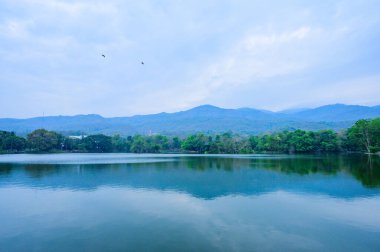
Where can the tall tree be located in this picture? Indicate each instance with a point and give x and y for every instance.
(197, 143)
(327, 141)
(9, 142)
(360, 133)
(43, 140)
(98, 143)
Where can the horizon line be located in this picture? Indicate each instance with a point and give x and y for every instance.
(203, 105)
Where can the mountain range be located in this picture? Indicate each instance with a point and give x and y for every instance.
(205, 118)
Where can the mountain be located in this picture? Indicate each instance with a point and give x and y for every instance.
(205, 118)
(339, 112)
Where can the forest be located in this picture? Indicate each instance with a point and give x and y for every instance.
(363, 136)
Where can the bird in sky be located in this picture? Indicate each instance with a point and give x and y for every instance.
(142, 62)
(103, 55)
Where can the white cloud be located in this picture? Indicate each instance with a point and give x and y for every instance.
(253, 42)
(197, 52)
(256, 56)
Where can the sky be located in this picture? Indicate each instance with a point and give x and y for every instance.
(270, 55)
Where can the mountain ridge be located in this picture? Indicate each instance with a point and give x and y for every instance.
(205, 118)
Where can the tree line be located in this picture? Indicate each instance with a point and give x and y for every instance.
(363, 136)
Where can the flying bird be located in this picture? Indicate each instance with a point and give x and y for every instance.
(103, 55)
(142, 62)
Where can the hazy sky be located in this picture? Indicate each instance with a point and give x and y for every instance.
(261, 54)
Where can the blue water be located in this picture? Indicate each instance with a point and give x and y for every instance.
(127, 202)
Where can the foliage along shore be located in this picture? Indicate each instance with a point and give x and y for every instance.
(364, 136)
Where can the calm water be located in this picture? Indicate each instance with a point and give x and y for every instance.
(124, 202)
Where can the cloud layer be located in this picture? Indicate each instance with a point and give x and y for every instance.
(272, 55)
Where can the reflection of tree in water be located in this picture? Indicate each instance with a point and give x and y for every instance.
(218, 163)
(160, 166)
(5, 170)
(366, 169)
(302, 165)
(41, 170)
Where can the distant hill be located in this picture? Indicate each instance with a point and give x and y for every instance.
(206, 118)
(338, 113)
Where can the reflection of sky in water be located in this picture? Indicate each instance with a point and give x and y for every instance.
(123, 158)
(196, 203)
(203, 176)
(83, 158)
(117, 218)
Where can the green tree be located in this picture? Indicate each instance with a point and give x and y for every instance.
(73, 144)
(98, 143)
(327, 141)
(43, 140)
(302, 141)
(197, 143)
(9, 142)
(138, 144)
(270, 142)
(253, 142)
(120, 144)
(365, 134)
(175, 144)
(157, 143)
(374, 129)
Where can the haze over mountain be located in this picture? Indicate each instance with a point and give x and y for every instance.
(206, 118)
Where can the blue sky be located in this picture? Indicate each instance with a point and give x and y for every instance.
(262, 54)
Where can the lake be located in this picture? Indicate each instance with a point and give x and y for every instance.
(128, 202)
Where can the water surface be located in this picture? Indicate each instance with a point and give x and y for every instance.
(127, 202)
